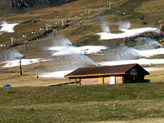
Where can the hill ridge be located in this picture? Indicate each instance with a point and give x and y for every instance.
(8, 7)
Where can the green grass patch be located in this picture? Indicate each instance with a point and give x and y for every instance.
(77, 94)
(82, 103)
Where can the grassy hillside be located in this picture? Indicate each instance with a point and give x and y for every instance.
(71, 104)
(129, 102)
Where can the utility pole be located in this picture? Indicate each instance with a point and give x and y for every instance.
(12, 40)
(109, 5)
(20, 67)
(85, 54)
(62, 21)
(26, 41)
(89, 13)
(46, 26)
(54, 32)
(120, 2)
(80, 23)
(98, 19)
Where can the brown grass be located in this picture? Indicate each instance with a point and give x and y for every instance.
(151, 7)
(156, 76)
(147, 120)
(75, 33)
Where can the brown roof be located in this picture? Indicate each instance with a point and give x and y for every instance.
(103, 70)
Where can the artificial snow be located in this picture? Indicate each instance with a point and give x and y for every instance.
(138, 61)
(150, 69)
(126, 33)
(8, 27)
(16, 63)
(67, 50)
(151, 52)
(56, 74)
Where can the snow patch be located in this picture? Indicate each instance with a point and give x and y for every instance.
(67, 50)
(56, 74)
(152, 52)
(126, 33)
(16, 63)
(8, 27)
(138, 61)
(153, 69)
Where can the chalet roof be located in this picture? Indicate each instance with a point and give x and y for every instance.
(104, 70)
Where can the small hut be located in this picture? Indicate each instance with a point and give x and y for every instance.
(118, 74)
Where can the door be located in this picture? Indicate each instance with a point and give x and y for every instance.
(112, 80)
(101, 80)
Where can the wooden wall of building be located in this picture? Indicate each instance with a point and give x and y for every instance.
(103, 80)
(119, 79)
(90, 81)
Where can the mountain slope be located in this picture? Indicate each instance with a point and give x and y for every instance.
(8, 7)
(78, 21)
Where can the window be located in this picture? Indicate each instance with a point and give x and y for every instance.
(133, 72)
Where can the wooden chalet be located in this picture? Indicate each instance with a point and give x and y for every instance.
(108, 74)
